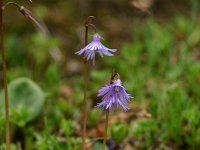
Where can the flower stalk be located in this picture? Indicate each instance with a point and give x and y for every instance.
(106, 130)
(88, 22)
(85, 78)
(113, 76)
(113, 95)
(4, 79)
(88, 52)
(27, 14)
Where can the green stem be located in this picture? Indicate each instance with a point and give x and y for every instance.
(106, 129)
(4, 79)
(85, 74)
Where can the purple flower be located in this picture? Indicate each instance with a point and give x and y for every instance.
(95, 46)
(114, 95)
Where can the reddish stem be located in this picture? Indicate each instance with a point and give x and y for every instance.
(106, 130)
(4, 78)
(85, 76)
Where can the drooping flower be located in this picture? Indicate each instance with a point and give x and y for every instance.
(113, 95)
(95, 46)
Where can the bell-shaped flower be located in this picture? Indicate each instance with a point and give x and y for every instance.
(95, 46)
(114, 95)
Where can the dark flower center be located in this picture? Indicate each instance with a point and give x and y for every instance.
(117, 89)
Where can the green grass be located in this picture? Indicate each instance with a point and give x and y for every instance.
(163, 71)
(159, 67)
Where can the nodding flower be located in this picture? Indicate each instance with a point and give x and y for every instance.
(95, 46)
(114, 95)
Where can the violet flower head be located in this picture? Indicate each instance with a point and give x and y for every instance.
(95, 46)
(114, 95)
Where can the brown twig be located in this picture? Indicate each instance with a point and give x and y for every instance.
(4, 79)
(27, 14)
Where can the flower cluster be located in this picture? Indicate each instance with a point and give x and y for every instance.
(95, 46)
(114, 95)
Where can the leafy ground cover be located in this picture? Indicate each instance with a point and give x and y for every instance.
(160, 67)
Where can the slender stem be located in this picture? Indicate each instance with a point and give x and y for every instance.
(11, 3)
(5, 79)
(27, 13)
(85, 74)
(106, 129)
(86, 33)
(88, 23)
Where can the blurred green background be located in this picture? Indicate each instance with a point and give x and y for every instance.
(158, 59)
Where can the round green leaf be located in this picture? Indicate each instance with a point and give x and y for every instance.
(25, 100)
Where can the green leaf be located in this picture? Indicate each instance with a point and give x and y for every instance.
(12, 147)
(119, 132)
(26, 100)
(98, 146)
(94, 117)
